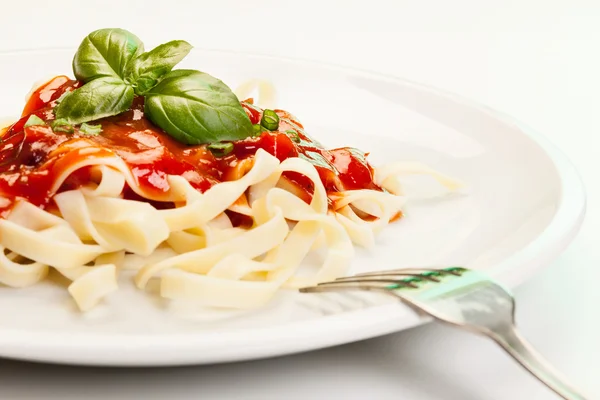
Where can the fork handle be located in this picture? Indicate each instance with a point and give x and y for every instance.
(516, 345)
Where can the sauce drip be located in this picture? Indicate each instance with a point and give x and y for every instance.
(31, 158)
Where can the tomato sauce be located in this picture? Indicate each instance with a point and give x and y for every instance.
(31, 158)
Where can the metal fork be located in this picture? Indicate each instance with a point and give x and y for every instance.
(463, 298)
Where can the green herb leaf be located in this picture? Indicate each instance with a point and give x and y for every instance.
(312, 140)
(257, 130)
(145, 71)
(90, 129)
(106, 52)
(221, 149)
(293, 135)
(100, 98)
(197, 108)
(34, 120)
(270, 120)
(62, 125)
(62, 96)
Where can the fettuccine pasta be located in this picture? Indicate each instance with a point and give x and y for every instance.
(222, 230)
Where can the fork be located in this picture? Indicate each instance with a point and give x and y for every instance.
(463, 298)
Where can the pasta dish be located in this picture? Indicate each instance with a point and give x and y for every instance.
(136, 166)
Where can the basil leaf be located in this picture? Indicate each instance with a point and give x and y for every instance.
(293, 135)
(102, 97)
(62, 96)
(220, 149)
(33, 120)
(106, 52)
(196, 108)
(257, 130)
(145, 71)
(311, 141)
(89, 129)
(62, 125)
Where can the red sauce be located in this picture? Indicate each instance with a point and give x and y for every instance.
(44, 94)
(32, 158)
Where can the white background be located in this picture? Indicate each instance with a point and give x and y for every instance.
(537, 60)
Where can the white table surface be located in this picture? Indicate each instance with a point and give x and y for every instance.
(537, 60)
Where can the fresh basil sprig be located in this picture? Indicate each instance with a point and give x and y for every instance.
(196, 108)
(106, 52)
(145, 71)
(191, 106)
(100, 98)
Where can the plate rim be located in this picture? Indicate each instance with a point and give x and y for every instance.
(155, 350)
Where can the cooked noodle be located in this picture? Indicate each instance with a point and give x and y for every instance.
(194, 249)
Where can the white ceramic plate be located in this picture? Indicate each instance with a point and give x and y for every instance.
(524, 205)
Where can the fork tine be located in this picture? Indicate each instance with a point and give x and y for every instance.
(328, 287)
(386, 273)
(361, 281)
(381, 280)
(412, 271)
(396, 271)
(320, 289)
(336, 286)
